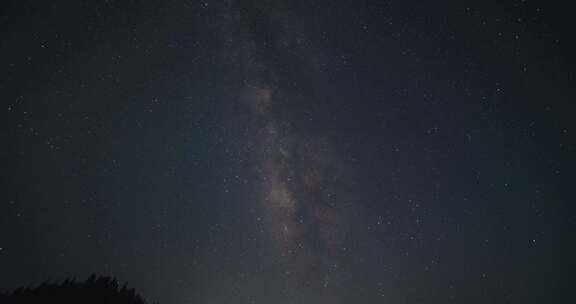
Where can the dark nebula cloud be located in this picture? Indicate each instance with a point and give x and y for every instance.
(298, 173)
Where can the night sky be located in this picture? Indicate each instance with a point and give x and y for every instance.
(291, 152)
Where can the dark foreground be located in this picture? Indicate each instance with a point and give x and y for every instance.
(96, 289)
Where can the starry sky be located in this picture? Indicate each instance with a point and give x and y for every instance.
(287, 151)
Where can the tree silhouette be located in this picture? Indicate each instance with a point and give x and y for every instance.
(95, 290)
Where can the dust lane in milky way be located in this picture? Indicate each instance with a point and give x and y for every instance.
(298, 173)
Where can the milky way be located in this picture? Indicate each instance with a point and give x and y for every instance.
(298, 172)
